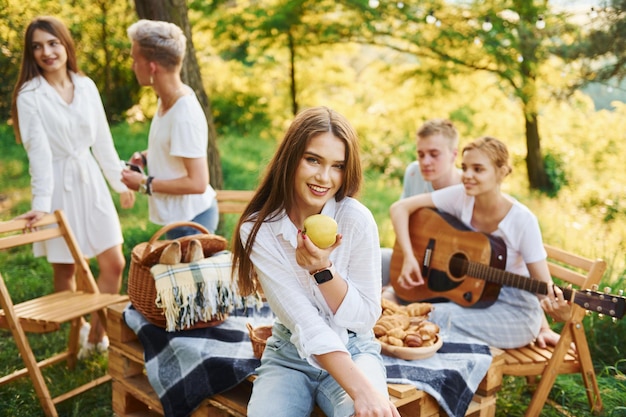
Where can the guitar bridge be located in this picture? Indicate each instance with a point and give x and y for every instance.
(427, 257)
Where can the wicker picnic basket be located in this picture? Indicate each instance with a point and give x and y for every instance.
(258, 337)
(141, 288)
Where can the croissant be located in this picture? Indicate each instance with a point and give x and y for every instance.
(428, 327)
(388, 304)
(402, 310)
(419, 309)
(405, 320)
(428, 342)
(397, 332)
(396, 320)
(383, 325)
(379, 330)
(394, 341)
(412, 329)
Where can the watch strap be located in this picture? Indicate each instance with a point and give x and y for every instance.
(149, 185)
(324, 275)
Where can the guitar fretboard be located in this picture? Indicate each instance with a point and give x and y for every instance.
(497, 276)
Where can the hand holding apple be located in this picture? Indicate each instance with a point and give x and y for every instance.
(321, 229)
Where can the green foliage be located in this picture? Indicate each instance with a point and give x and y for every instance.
(99, 32)
(239, 112)
(247, 158)
(556, 173)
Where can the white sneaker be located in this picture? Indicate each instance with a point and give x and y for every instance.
(89, 349)
(86, 350)
(103, 345)
(83, 334)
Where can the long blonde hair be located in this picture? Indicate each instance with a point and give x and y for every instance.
(276, 192)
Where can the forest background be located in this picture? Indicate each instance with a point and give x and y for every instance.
(388, 69)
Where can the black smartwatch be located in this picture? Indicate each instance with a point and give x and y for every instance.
(324, 275)
(149, 185)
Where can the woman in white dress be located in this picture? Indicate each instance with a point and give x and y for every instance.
(59, 117)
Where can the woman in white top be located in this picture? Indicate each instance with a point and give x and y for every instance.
(59, 117)
(322, 349)
(516, 317)
(176, 158)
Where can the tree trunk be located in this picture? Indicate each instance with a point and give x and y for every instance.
(292, 73)
(104, 22)
(175, 11)
(537, 176)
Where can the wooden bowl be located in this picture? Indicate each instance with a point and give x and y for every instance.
(411, 353)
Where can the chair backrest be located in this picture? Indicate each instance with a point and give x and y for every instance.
(13, 233)
(233, 201)
(583, 274)
(577, 270)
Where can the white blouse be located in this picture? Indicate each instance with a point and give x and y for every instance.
(293, 294)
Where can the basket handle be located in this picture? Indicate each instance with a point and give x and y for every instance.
(156, 236)
(251, 331)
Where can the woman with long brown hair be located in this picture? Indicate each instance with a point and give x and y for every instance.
(322, 349)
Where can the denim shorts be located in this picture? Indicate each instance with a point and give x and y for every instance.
(288, 386)
(208, 218)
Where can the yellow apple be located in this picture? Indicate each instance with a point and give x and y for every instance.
(321, 229)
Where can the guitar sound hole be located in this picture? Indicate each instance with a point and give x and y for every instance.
(458, 265)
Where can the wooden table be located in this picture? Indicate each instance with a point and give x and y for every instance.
(133, 395)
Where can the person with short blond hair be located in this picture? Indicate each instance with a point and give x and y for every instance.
(177, 178)
(436, 145)
(435, 168)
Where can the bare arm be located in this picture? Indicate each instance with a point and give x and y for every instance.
(553, 304)
(313, 258)
(195, 182)
(400, 211)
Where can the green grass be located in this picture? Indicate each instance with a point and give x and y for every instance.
(243, 161)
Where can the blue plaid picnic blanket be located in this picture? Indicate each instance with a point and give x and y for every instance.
(186, 367)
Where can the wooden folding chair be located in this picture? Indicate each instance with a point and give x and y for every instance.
(47, 314)
(546, 364)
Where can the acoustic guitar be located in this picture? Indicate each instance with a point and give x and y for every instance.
(467, 267)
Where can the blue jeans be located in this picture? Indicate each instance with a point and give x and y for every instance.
(208, 218)
(288, 386)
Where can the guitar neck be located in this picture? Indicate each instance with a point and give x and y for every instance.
(509, 279)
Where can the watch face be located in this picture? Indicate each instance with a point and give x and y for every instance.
(323, 276)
